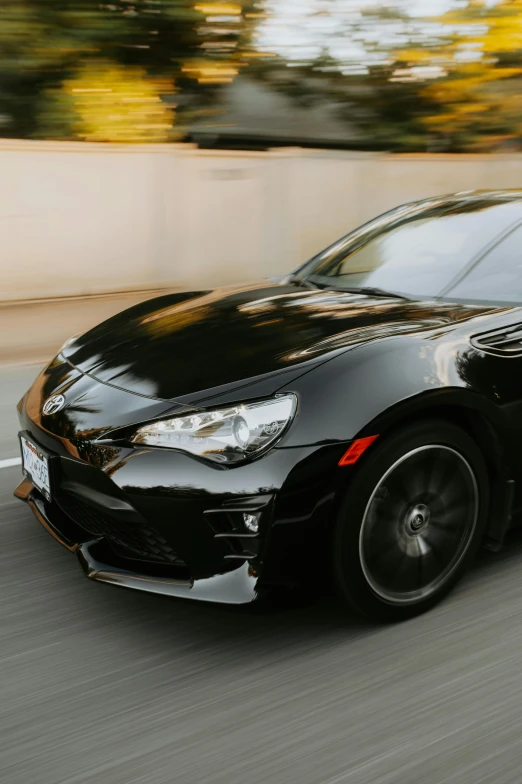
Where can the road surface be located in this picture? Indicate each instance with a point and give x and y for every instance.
(100, 684)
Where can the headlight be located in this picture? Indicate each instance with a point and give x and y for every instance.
(225, 435)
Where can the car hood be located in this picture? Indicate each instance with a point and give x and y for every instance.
(184, 347)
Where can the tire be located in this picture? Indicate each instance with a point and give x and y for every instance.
(410, 521)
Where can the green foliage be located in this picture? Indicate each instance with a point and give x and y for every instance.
(46, 43)
(420, 84)
(476, 100)
(399, 82)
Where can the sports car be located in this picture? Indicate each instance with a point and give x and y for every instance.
(356, 423)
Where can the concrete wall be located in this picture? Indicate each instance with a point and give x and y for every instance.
(85, 218)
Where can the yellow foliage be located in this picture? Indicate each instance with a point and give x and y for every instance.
(218, 9)
(497, 30)
(119, 104)
(207, 72)
(472, 93)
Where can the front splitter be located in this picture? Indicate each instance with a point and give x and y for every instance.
(238, 586)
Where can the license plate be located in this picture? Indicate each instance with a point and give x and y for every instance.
(35, 464)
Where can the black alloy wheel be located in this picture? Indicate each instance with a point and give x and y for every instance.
(411, 521)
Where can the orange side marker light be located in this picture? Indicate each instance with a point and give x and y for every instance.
(355, 450)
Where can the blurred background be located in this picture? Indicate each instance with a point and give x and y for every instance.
(151, 144)
(148, 145)
(413, 76)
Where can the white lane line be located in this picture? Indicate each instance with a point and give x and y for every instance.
(11, 461)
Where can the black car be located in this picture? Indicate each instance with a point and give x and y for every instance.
(357, 423)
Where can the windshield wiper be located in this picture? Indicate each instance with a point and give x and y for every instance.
(373, 291)
(304, 283)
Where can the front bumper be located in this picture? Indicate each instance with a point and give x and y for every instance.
(166, 523)
(99, 562)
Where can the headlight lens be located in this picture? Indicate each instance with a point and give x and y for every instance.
(225, 435)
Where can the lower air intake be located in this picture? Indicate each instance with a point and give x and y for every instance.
(129, 539)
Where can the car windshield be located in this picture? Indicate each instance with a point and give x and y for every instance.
(418, 252)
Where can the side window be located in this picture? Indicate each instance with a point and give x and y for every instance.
(498, 276)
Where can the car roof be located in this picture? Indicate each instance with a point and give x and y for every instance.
(469, 198)
(511, 194)
(509, 202)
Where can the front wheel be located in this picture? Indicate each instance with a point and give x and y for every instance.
(411, 521)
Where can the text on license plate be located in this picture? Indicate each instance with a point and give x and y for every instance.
(36, 464)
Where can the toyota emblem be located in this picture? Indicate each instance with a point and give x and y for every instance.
(53, 404)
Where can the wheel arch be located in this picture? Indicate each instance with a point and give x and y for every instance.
(483, 422)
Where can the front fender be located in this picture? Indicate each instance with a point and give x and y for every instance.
(370, 388)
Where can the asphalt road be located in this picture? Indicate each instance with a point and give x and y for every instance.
(101, 684)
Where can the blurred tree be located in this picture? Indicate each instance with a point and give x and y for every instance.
(46, 44)
(411, 83)
(473, 98)
(108, 103)
(401, 81)
(355, 67)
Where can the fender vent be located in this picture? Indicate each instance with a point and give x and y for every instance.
(505, 342)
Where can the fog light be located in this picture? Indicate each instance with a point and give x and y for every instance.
(251, 522)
